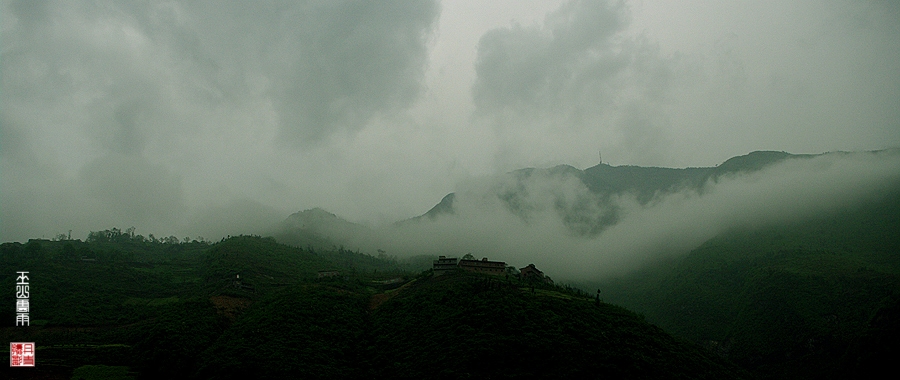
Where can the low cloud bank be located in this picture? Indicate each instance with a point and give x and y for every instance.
(534, 231)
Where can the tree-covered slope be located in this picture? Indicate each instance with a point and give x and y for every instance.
(453, 326)
(785, 300)
(154, 307)
(463, 326)
(182, 311)
(305, 331)
(603, 182)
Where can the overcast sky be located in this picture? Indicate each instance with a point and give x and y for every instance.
(203, 118)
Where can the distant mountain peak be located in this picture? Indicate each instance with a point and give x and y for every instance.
(314, 212)
(313, 217)
(445, 206)
(755, 161)
(319, 228)
(604, 180)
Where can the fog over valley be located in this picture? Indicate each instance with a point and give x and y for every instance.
(202, 119)
(208, 189)
(552, 218)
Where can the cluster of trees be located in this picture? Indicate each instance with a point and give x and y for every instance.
(160, 310)
(798, 298)
(116, 235)
(111, 245)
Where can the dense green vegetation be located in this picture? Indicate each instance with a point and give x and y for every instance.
(810, 298)
(151, 305)
(304, 331)
(135, 308)
(464, 326)
(792, 300)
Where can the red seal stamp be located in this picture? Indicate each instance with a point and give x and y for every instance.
(21, 354)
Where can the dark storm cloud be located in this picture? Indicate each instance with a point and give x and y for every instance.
(141, 103)
(733, 77)
(328, 65)
(356, 59)
(540, 68)
(579, 74)
(375, 110)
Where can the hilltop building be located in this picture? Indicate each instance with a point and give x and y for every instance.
(483, 266)
(443, 265)
(531, 273)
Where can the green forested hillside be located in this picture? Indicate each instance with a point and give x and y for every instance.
(462, 326)
(784, 300)
(813, 297)
(305, 331)
(452, 326)
(181, 310)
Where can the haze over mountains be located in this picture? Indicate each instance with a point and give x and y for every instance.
(785, 264)
(780, 265)
(607, 220)
(384, 134)
(196, 119)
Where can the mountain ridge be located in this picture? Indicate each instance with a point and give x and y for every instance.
(646, 181)
(318, 227)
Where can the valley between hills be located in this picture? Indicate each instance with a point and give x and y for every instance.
(814, 295)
